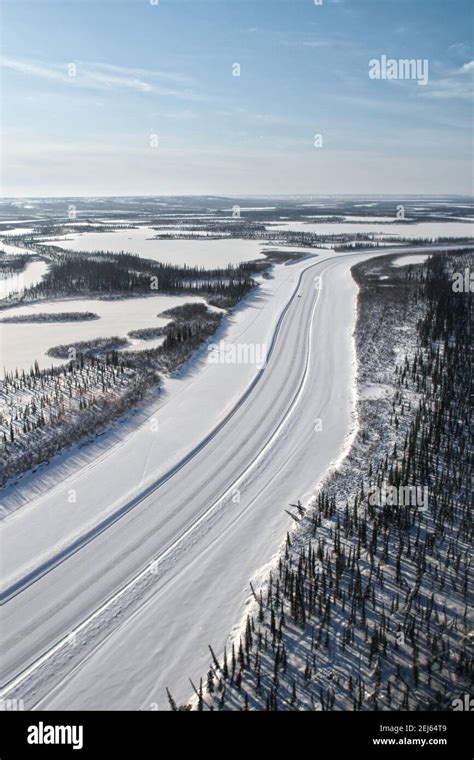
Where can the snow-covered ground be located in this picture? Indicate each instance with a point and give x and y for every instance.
(13, 249)
(404, 261)
(25, 342)
(16, 231)
(17, 282)
(119, 546)
(142, 241)
(428, 230)
(191, 405)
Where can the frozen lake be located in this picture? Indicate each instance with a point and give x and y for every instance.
(17, 231)
(202, 253)
(13, 249)
(22, 343)
(31, 275)
(423, 229)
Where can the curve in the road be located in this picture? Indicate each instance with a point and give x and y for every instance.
(187, 529)
(27, 580)
(14, 683)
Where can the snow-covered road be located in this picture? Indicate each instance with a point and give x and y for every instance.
(106, 617)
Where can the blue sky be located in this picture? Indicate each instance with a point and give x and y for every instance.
(86, 84)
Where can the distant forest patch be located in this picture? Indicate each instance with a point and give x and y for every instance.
(129, 274)
(62, 316)
(147, 333)
(87, 347)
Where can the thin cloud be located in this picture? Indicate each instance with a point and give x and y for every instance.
(462, 49)
(456, 85)
(103, 77)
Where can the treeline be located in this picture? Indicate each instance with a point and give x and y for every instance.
(43, 411)
(59, 316)
(89, 348)
(125, 273)
(192, 325)
(368, 606)
(12, 264)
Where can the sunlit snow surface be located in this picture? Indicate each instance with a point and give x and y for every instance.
(126, 661)
(142, 241)
(427, 230)
(17, 282)
(403, 261)
(22, 343)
